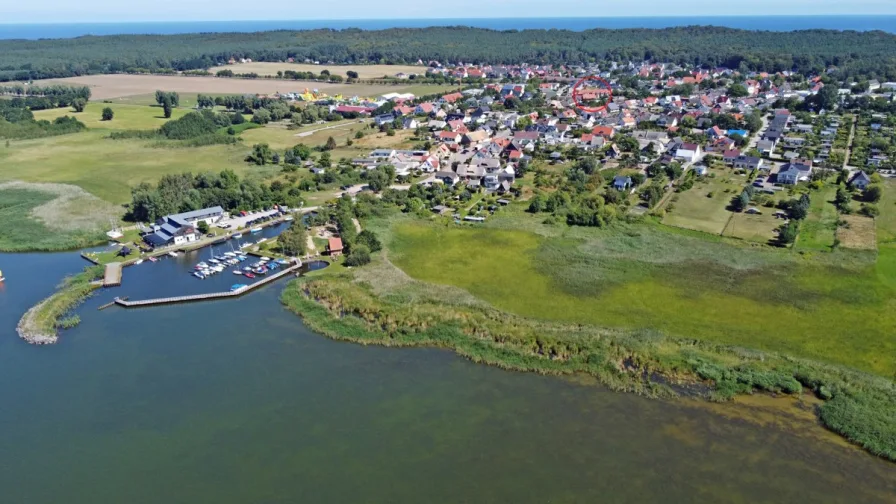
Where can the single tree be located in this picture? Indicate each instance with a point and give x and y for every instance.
(108, 114)
(331, 143)
(78, 104)
(202, 227)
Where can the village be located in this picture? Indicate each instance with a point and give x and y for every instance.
(717, 129)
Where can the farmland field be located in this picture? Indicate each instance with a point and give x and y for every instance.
(364, 71)
(651, 279)
(110, 87)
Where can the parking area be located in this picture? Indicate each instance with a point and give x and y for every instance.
(238, 221)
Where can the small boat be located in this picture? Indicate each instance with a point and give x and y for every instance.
(255, 230)
(289, 218)
(265, 259)
(153, 259)
(202, 265)
(247, 268)
(284, 262)
(214, 261)
(238, 236)
(237, 272)
(172, 253)
(198, 275)
(2, 278)
(250, 275)
(236, 287)
(138, 262)
(262, 240)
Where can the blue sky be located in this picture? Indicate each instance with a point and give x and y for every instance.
(44, 11)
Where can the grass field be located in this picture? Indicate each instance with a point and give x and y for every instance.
(127, 117)
(364, 71)
(108, 168)
(817, 232)
(695, 210)
(51, 217)
(859, 233)
(758, 228)
(111, 87)
(647, 278)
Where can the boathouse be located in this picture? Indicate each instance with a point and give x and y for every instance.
(180, 228)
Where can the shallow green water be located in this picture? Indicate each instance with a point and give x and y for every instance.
(235, 402)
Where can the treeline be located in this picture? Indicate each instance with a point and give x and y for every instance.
(46, 97)
(869, 54)
(17, 122)
(186, 192)
(194, 129)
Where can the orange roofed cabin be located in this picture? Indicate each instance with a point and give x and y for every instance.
(334, 246)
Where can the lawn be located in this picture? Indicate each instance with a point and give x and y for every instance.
(817, 232)
(858, 232)
(110, 168)
(886, 235)
(649, 279)
(758, 228)
(127, 117)
(694, 209)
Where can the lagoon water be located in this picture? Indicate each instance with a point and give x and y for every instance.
(235, 401)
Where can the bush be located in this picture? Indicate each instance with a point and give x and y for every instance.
(869, 210)
(359, 256)
(108, 114)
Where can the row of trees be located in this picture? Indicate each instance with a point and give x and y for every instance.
(185, 192)
(17, 122)
(865, 54)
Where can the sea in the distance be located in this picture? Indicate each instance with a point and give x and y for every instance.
(885, 23)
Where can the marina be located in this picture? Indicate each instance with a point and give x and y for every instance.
(239, 291)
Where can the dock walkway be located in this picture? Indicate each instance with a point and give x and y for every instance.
(112, 275)
(209, 296)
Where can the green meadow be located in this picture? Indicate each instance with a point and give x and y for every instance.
(834, 308)
(126, 117)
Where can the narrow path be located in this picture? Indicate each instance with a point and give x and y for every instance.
(852, 134)
(357, 225)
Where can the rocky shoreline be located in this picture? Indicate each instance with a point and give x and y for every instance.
(28, 330)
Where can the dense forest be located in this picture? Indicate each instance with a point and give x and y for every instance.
(866, 53)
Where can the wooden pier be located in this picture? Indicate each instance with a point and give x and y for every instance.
(112, 276)
(212, 295)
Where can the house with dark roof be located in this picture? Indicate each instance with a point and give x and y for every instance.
(180, 228)
(795, 171)
(860, 180)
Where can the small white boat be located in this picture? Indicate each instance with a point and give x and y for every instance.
(255, 230)
(237, 272)
(214, 261)
(289, 218)
(238, 236)
(262, 240)
(266, 259)
(2, 278)
(172, 253)
(138, 262)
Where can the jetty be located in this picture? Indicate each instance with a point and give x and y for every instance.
(209, 296)
(112, 276)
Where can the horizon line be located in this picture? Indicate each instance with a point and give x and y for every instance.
(398, 19)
